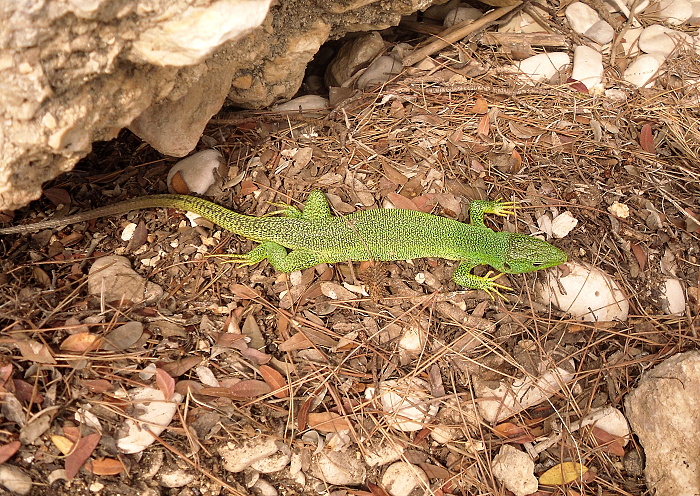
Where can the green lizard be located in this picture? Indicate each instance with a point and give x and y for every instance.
(299, 239)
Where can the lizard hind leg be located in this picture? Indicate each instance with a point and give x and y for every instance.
(278, 257)
(315, 208)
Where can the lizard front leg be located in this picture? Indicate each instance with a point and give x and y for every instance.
(464, 277)
(477, 209)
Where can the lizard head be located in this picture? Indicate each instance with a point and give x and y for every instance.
(527, 254)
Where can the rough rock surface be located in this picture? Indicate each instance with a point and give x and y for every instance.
(74, 72)
(664, 412)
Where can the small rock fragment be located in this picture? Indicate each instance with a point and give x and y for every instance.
(563, 224)
(152, 414)
(405, 479)
(113, 279)
(406, 403)
(544, 66)
(15, 480)
(380, 71)
(306, 102)
(586, 293)
(640, 72)
(196, 173)
(515, 470)
(619, 210)
(588, 66)
(662, 41)
(664, 412)
(672, 297)
(609, 419)
(461, 14)
(581, 17)
(336, 467)
(675, 12)
(175, 477)
(239, 456)
(352, 57)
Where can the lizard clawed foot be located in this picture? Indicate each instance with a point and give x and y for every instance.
(501, 208)
(492, 287)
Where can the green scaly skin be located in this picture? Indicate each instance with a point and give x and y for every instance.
(299, 239)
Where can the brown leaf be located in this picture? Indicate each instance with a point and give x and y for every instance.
(41, 277)
(303, 416)
(165, 383)
(5, 373)
(35, 351)
(577, 85)
(8, 450)
(646, 139)
(481, 106)
(328, 422)
(247, 187)
(400, 201)
(179, 367)
(105, 466)
(57, 196)
(484, 125)
(376, 490)
(80, 454)
(640, 255)
(249, 389)
(523, 131)
(513, 433)
(612, 444)
(179, 185)
(26, 392)
(275, 380)
(297, 341)
(97, 385)
(244, 292)
(82, 342)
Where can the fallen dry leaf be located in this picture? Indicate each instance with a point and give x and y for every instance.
(275, 380)
(63, 444)
(165, 383)
(297, 341)
(8, 450)
(611, 443)
(97, 385)
(484, 125)
(562, 474)
(249, 389)
(35, 351)
(400, 201)
(105, 466)
(646, 139)
(80, 454)
(328, 422)
(640, 255)
(82, 342)
(244, 292)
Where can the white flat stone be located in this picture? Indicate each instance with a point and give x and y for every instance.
(586, 293)
(152, 414)
(581, 17)
(544, 66)
(588, 66)
(675, 12)
(639, 72)
(403, 479)
(601, 32)
(672, 297)
(196, 172)
(461, 14)
(658, 39)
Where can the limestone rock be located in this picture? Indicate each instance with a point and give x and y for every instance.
(664, 412)
(74, 72)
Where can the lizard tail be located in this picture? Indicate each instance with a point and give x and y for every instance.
(228, 219)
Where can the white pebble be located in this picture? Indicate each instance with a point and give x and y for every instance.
(695, 17)
(515, 470)
(406, 403)
(619, 210)
(15, 480)
(657, 39)
(563, 224)
(306, 102)
(402, 479)
(153, 415)
(379, 71)
(675, 12)
(601, 32)
(581, 17)
(609, 419)
(586, 293)
(461, 14)
(588, 66)
(128, 231)
(196, 171)
(640, 72)
(672, 297)
(544, 66)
